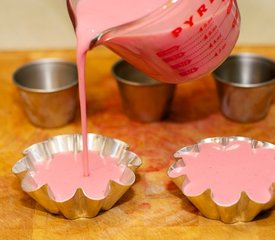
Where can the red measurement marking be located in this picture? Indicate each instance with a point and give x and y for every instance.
(170, 50)
(181, 64)
(210, 32)
(218, 52)
(190, 71)
(215, 41)
(204, 44)
(174, 57)
(199, 39)
(206, 25)
(192, 41)
(206, 57)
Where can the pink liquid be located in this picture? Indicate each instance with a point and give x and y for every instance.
(228, 171)
(93, 17)
(64, 175)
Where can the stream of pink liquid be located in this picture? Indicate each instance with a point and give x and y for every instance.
(93, 17)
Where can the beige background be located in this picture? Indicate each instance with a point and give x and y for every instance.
(36, 24)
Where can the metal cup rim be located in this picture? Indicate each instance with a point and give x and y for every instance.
(246, 85)
(43, 61)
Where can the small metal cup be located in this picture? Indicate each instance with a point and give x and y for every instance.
(245, 85)
(48, 88)
(143, 98)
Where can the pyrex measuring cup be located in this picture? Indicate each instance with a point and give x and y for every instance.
(181, 40)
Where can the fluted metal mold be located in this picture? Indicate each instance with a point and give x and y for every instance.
(244, 209)
(79, 205)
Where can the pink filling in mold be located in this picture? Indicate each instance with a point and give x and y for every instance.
(64, 175)
(227, 170)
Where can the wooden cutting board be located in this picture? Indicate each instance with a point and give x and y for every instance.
(154, 208)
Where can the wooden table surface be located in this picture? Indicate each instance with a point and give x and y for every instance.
(153, 208)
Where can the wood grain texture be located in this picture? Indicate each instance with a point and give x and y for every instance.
(154, 208)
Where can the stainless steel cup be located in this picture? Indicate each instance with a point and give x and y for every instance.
(245, 85)
(48, 88)
(143, 98)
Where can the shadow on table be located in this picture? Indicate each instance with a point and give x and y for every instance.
(186, 204)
